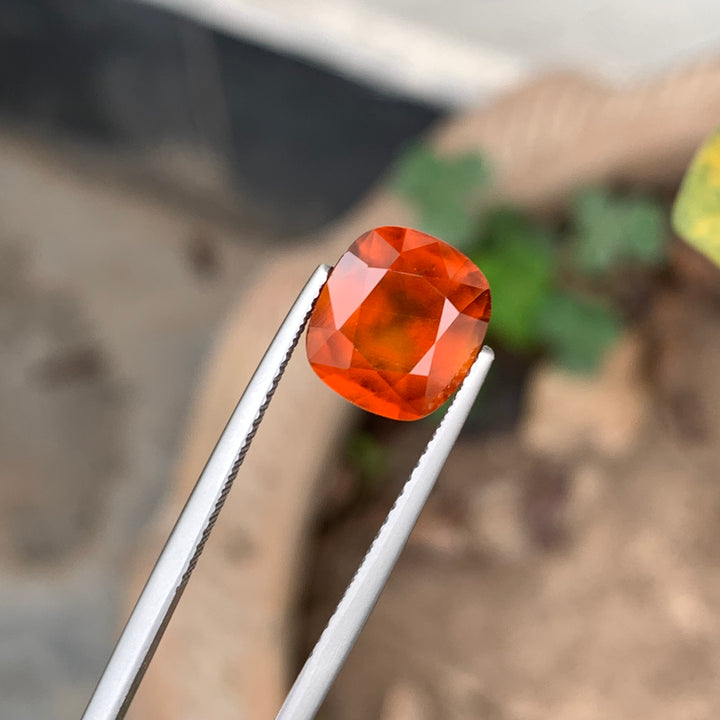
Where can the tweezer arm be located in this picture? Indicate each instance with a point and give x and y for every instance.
(173, 568)
(316, 677)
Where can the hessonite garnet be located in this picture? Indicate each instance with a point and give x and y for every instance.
(398, 323)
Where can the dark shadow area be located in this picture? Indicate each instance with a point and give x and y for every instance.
(300, 143)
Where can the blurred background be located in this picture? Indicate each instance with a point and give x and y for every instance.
(157, 157)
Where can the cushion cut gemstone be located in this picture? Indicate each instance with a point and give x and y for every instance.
(398, 323)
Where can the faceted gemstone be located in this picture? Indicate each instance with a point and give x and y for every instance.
(399, 322)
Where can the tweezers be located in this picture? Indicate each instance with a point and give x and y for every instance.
(144, 629)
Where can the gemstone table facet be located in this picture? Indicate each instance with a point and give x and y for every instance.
(399, 322)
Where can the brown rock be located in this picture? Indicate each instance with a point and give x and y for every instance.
(405, 701)
(569, 413)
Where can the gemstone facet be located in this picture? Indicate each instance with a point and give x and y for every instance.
(399, 322)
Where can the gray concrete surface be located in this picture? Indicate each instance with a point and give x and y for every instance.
(108, 305)
(464, 51)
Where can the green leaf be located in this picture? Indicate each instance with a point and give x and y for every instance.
(511, 225)
(610, 230)
(518, 264)
(441, 190)
(368, 457)
(448, 222)
(696, 214)
(577, 330)
(414, 173)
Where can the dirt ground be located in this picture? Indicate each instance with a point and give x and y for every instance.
(568, 570)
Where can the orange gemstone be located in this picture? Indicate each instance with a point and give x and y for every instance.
(399, 322)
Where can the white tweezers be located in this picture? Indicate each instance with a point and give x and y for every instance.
(135, 648)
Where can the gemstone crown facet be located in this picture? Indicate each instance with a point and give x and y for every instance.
(398, 323)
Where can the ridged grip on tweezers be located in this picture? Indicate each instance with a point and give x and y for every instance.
(316, 677)
(173, 568)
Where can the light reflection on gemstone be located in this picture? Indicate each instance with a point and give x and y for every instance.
(399, 322)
